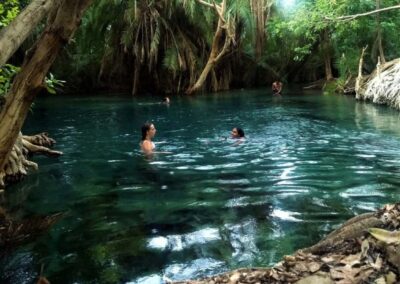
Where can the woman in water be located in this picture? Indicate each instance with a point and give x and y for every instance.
(237, 133)
(148, 132)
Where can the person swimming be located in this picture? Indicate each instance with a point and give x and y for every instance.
(148, 133)
(237, 133)
(277, 88)
(166, 101)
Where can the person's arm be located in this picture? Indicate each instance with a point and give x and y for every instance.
(147, 147)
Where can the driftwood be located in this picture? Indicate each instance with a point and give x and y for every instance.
(348, 255)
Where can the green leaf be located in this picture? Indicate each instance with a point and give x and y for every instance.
(385, 236)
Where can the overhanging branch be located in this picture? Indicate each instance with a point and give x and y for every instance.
(352, 17)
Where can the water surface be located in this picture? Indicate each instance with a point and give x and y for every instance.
(309, 162)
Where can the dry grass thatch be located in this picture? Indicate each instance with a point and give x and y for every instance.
(383, 85)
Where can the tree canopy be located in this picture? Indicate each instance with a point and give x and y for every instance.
(142, 46)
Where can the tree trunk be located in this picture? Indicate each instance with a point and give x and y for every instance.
(327, 56)
(379, 33)
(261, 11)
(203, 76)
(12, 36)
(136, 73)
(60, 28)
(217, 52)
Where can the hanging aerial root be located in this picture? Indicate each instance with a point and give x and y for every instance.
(18, 165)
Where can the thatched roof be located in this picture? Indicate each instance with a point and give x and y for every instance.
(383, 85)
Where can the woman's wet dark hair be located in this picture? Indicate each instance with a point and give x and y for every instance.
(240, 132)
(145, 127)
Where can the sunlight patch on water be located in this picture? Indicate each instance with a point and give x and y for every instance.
(151, 279)
(243, 240)
(191, 269)
(214, 167)
(362, 191)
(233, 181)
(180, 242)
(285, 215)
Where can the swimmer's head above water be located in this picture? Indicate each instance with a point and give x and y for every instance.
(237, 132)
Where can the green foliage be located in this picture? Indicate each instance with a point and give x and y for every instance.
(7, 73)
(9, 9)
(52, 84)
(169, 41)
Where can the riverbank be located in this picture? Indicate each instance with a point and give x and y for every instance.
(354, 253)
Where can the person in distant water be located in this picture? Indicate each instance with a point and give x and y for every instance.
(237, 133)
(166, 100)
(148, 133)
(277, 88)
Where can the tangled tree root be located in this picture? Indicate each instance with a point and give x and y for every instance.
(18, 164)
(347, 255)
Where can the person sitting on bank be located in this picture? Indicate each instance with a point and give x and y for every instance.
(237, 133)
(148, 133)
(277, 88)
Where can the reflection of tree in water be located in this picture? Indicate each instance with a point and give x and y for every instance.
(16, 196)
(381, 118)
(16, 231)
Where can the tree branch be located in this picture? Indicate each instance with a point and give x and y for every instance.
(220, 11)
(205, 3)
(12, 36)
(352, 17)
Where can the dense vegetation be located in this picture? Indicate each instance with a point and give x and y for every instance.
(162, 46)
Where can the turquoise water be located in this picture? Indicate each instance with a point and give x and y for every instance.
(309, 162)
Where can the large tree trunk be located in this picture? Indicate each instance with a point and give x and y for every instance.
(217, 51)
(12, 36)
(60, 28)
(261, 10)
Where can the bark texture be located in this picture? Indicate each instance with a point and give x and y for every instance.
(61, 25)
(12, 36)
(18, 165)
(222, 41)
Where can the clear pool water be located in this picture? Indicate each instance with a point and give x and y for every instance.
(309, 162)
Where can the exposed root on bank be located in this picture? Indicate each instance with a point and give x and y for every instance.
(18, 164)
(354, 253)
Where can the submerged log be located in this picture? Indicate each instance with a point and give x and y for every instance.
(383, 85)
(354, 253)
(18, 165)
